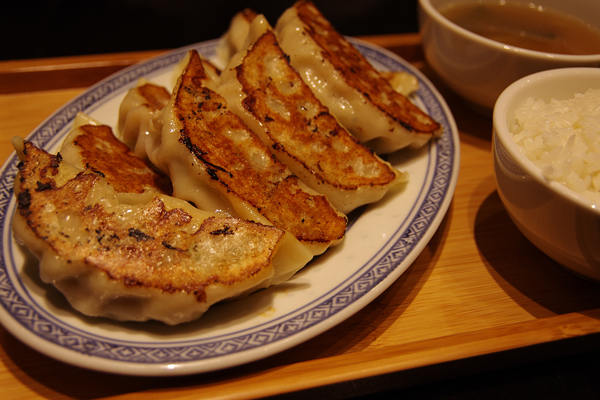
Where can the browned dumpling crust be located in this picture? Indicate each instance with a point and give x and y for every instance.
(217, 162)
(95, 147)
(274, 101)
(157, 259)
(355, 92)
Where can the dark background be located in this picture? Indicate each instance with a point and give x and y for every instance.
(39, 29)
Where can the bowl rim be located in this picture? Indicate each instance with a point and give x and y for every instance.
(540, 55)
(501, 131)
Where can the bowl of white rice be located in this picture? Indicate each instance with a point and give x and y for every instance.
(546, 148)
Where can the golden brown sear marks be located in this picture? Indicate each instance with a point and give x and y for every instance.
(301, 126)
(103, 153)
(156, 249)
(236, 159)
(360, 74)
(155, 96)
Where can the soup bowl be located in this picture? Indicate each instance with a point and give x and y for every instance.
(477, 68)
(562, 223)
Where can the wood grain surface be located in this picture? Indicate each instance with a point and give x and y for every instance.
(479, 297)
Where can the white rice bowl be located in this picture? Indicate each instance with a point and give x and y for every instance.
(546, 151)
(562, 138)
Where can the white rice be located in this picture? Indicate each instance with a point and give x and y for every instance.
(562, 138)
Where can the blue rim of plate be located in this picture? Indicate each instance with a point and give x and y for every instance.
(380, 272)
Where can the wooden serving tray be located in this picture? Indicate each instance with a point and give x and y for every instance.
(479, 297)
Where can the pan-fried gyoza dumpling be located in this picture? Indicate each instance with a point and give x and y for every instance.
(91, 145)
(218, 163)
(151, 256)
(234, 38)
(340, 76)
(270, 96)
(234, 41)
(136, 113)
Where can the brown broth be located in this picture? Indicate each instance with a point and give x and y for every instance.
(527, 27)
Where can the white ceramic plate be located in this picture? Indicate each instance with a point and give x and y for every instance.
(381, 243)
